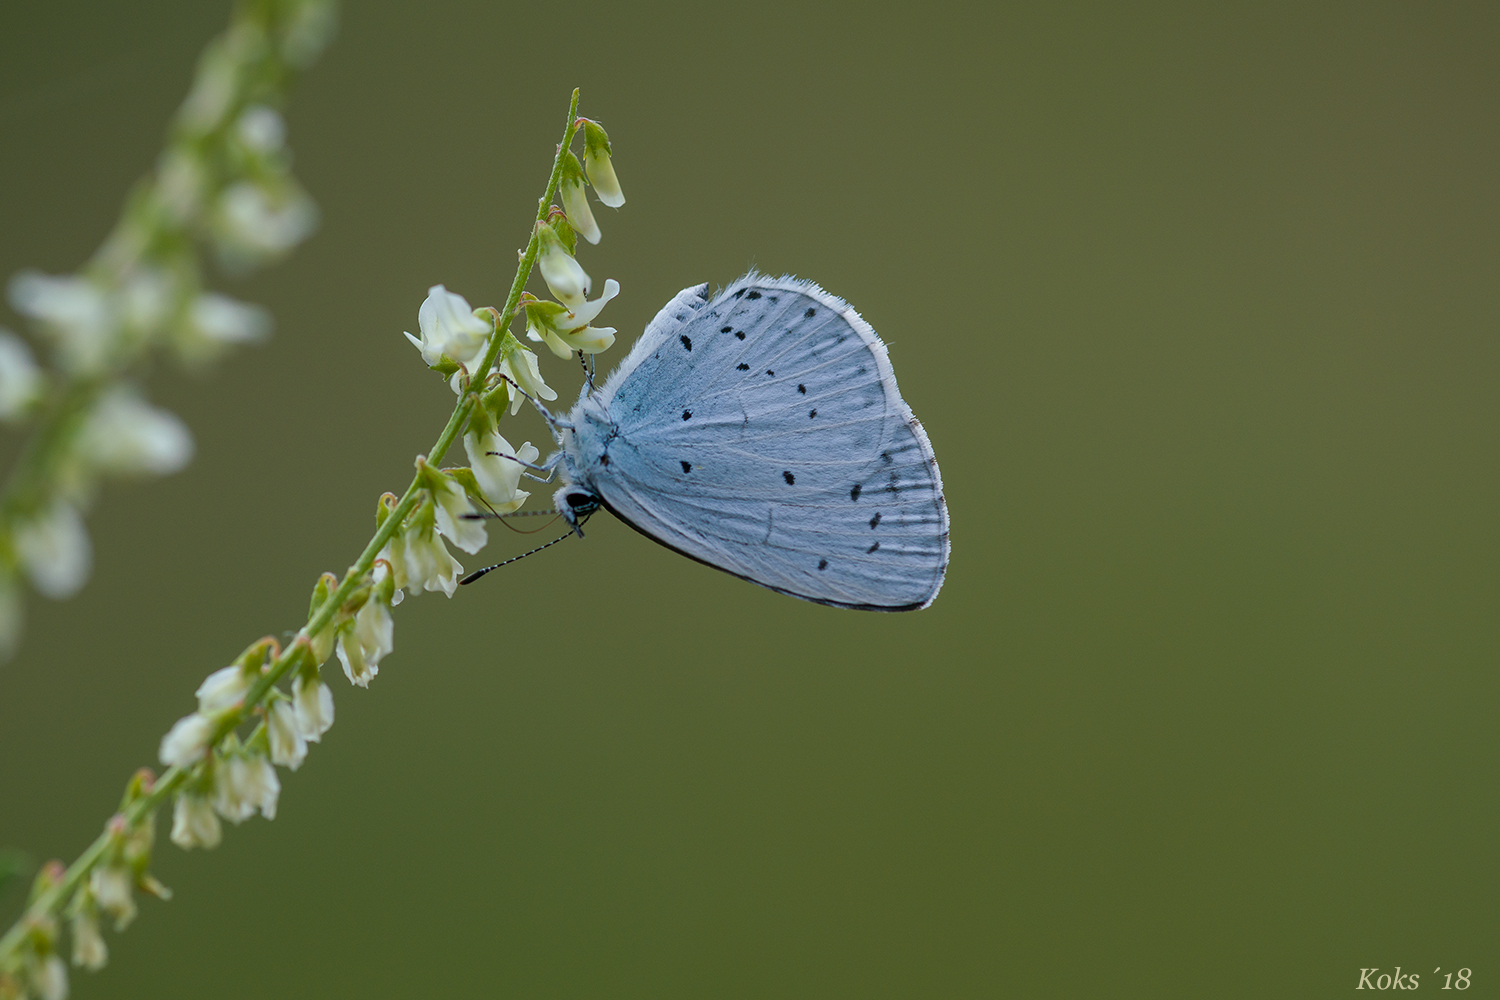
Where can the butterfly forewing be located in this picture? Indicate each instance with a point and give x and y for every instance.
(762, 433)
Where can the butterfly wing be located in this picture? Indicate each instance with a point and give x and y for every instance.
(762, 433)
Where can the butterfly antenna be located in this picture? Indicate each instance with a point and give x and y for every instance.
(481, 572)
(504, 519)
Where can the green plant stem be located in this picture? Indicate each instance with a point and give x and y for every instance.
(51, 900)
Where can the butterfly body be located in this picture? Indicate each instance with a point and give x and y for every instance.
(761, 433)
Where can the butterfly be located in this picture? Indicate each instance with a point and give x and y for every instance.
(760, 432)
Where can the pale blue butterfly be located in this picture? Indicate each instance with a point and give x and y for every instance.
(762, 433)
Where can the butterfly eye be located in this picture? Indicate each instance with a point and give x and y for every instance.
(580, 501)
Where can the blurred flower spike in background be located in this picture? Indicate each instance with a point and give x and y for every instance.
(224, 180)
(223, 184)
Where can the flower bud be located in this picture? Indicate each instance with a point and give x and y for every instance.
(288, 745)
(596, 153)
(575, 199)
(194, 823)
(560, 271)
(312, 702)
(261, 130)
(366, 641)
(74, 310)
(54, 549)
(245, 781)
(187, 741)
(255, 223)
(49, 977)
(20, 378)
(89, 949)
(519, 365)
(451, 504)
(125, 435)
(218, 319)
(498, 478)
(429, 566)
(321, 645)
(223, 688)
(111, 886)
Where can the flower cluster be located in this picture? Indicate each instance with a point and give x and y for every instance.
(224, 181)
(262, 711)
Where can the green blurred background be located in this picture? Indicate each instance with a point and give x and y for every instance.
(1199, 306)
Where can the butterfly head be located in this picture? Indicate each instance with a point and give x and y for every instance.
(576, 504)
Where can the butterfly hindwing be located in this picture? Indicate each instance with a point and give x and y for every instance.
(762, 433)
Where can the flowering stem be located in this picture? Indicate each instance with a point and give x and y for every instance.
(51, 900)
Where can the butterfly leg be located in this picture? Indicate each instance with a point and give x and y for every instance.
(553, 421)
(550, 468)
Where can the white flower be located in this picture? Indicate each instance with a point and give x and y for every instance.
(223, 320)
(581, 315)
(428, 564)
(146, 299)
(288, 745)
(244, 782)
(74, 310)
(213, 90)
(520, 367)
(89, 949)
(186, 742)
(256, 223)
(126, 435)
(499, 477)
(601, 169)
(261, 129)
(11, 618)
(588, 340)
(576, 204)
(366, 641)
(111, 886)
(305, 29)
(50, 978)
(54, 548)
(449, 327)
(452, 503)
(180, 181)
(394, 554)
(560, 271)
(194, 823)
(20, 379)
(222, 688)
(312, 702)
(565, 329)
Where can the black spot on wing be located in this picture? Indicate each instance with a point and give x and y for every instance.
(811, 414)
(687, 466)
(790, 479)
(770, 372)
(810, 312)
(822, 564)
(686, 342)
(743, 368)
(854, 492)
(802, 389)
(740, 334)
(753, 295)
(604, 459)
(687, 414)
(739, 293)
(875, 520)
(726, 329)
(872, 548)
